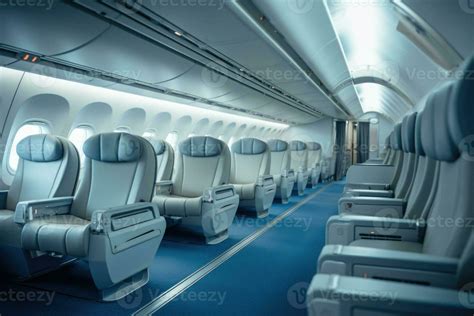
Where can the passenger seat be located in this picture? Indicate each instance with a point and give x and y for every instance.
(110, 222)
(199, 196)
(283, 175)
(314, 163)
(164, 158)
(299, 163)
(250, 175)
(48, 169)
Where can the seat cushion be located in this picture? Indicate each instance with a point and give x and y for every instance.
(172, 205)
(389, 245)
(64, 234)
(245, 191)
(10, 232)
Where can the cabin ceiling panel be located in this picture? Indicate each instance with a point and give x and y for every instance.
(375, 48)
(48, 30)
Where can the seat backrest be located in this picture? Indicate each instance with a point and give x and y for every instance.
(424, 185)
(119, 169)
(298, 156)
(201, 162)
(409, 157)
(397, 160)
(387, 151)
(251, 158)
(280, 156)
(314, 154)
(48, 167)
(446, 134)
(164, 158)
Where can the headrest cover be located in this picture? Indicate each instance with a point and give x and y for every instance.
(313, 146)
(461, 111)
(159, 145)
(396, 140)
(201, 146)
(297, 145)
(277, 145)
(249, 146)
(418, 144)
(435, 132)
(40, 148)
(408, 133)
(114, 147)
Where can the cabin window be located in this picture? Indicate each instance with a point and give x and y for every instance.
(172, 139)
(28, 129)
(78, 137)
(123, 129)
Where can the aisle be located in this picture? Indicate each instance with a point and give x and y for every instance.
(270, 276)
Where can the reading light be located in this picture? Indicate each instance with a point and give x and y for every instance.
(178, 33)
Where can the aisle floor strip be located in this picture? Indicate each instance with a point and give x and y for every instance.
(190, 280)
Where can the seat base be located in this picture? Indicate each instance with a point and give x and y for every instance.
(220, 237)
(124, 288)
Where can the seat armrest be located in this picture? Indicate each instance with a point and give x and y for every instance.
(163, 187)
(265, 180)
(346, 296)
(219, 193)
(3, 199)
(29, 210)
(344, 229)
(128, 225)
(372, 206)
(399, 266)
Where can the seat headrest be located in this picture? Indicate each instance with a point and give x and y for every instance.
(159, 145)
(40, 148)
(418, 143)
(114, 147)
(447, 128)
(201, 146)
(313, 146)
(297, 145)
(277, 145)
(396, 140)
(408, 133)
(249, 146)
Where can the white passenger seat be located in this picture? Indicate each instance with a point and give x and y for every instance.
(283, 175)
(299, 163)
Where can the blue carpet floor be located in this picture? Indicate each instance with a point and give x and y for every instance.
(70, 290)
(270, 277)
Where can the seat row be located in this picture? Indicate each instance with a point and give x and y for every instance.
(407, 244)
(114, 215)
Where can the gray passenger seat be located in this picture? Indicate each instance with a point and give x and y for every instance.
(48, 168)
(110, 222)
(250, 175)
(283, 175)
(164, 158)
(314, 163)
(432, 259)
(434, 246)
(199, 196)
(299, 163)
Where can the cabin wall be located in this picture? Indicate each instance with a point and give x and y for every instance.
(64, 105)
(321, 131)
